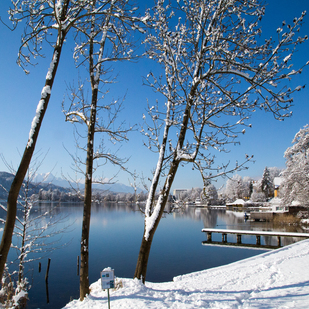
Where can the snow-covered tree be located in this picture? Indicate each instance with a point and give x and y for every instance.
(258, 197)
(195, 193)
(267, 183)
(101, 40)
(248, 186)
(295, 184)
(274, 172)
(235, 188)
(184, 195)
(210, 194)
(215, 72)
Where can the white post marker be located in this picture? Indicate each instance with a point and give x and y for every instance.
(107, 281)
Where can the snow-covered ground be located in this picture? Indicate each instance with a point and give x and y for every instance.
(276, 279)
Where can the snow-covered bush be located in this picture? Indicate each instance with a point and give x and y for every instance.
(211, 194)
(11, 297)
(258, 197)
(234, 188)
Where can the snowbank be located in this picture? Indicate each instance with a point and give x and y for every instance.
(276, 279)
(238, 202)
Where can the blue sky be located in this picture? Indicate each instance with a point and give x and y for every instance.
(19, 94)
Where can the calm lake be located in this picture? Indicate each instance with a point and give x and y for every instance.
(115, 237)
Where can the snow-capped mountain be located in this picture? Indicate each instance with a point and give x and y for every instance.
(50, 178)
(59, 181)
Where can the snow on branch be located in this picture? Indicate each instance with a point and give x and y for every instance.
(74, 115)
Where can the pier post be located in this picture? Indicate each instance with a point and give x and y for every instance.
(279, 241)
(258, 240)
(46, 281)
(238, 238)
(47, 270)
(209, 236)
(224, 237)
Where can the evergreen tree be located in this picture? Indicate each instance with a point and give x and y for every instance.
(266, 183)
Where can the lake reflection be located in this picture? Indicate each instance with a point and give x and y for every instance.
(115, 236)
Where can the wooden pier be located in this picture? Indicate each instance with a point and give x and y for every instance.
(239, 233)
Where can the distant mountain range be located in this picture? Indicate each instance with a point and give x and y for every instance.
(61, 182)
(49, 181)
(47, 178)
(6, 180)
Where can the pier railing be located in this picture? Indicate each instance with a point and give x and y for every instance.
(239, 233)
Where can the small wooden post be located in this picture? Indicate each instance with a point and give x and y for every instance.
(47, 292)
(78, 265)
(47, 270)
(209, 236)
(238, 238)
(224, 237)
(279, 241)
(258, 240)
(39, 267)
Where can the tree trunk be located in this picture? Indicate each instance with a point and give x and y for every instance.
(84, 250)
(24, 164)
(143, 256)
(94, 80)
(142, 260)
(84, 254)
